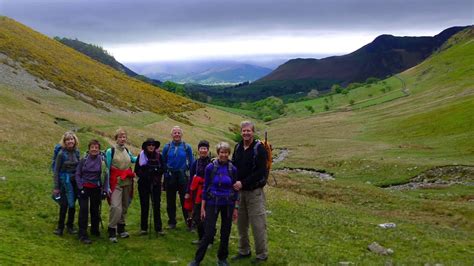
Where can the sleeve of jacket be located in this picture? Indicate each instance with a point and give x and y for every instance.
(207, 181)
(78, 174)
(138, 168)
(165, 159)
(190, 154)
(108, 164)
(133, 158)
(236, 194)
(57, 168)
(192, 173)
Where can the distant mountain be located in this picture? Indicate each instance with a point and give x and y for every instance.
(99, 54)
(230, 73)
(386, 55)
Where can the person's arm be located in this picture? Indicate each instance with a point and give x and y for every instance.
(57, 168)
(138, 168)
(133, 158)
(190, 155)
(165, 158)
(78, 175)
(108, 164)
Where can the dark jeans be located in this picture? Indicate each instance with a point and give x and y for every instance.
(173, 185)
(63, 208)
(92, 196)
(212, 212)
(146, 192)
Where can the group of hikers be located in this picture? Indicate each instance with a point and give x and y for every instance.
(207, 188)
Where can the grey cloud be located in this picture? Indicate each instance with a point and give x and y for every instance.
(110, 22)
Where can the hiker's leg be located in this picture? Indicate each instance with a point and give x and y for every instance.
(143, 193)
(62, 209)
(226, 225)
(125, 203)
(258, 221)
(197, 220)
(156, 199)
(243, 224)
(171, 189)
(115, 211)
(72, 210)
(83, 213)
(94, 208)
(209, 232)
(182, 192)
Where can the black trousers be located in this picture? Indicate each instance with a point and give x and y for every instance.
(89, 201)
(212, 213)
(197, 220)
(147, 191)
(64, 209)
(173, 184)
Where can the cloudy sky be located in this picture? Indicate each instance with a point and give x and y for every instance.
(173, 30)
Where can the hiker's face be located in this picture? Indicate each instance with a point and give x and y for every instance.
(70, 142)
(177, 135)
(223, 155)
(150, 147)
(122, 139)
(247, 133)
(203, 152)
(94, 150)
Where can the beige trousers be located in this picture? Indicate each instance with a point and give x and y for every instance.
(119, 202)
(252, 211)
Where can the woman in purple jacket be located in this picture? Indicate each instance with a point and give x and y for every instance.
(89, 184)
(218, 196)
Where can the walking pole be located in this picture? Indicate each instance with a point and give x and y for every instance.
(100, 215)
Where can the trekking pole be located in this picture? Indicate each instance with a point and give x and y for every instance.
(100, 215)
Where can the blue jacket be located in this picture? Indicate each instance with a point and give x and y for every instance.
(177, 156)
(218, 190)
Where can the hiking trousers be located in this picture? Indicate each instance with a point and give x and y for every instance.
(92, 198)
(212, 212)
(64, 208)
(174, 183)
(252, 212)
(119, 202)
(148, 192)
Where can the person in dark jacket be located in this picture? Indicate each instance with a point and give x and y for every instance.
(195, 187)
(89, 184)
(149, 169)
(64, 182)
(219, 196)
(250, 159)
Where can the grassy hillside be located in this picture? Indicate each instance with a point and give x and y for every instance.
(310, 222)
(80, 76)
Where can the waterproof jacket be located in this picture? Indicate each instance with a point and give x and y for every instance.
(121, 160)
(218, 189)
(177, 156)
(151, 169)
(251, 171)
(89, 172)
(66, 163)
(198, 168)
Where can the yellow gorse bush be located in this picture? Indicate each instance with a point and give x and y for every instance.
(82, 77)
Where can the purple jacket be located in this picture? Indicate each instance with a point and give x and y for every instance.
(219, 190)
(89, 170)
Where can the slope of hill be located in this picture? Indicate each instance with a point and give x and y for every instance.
(223, 74)
(78, 75)
(99, 54)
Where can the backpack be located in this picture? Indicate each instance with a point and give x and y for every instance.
(268, 163)
(57, 149)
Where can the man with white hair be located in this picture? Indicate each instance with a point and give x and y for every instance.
(177, 158)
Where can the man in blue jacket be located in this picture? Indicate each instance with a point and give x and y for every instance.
(177, 157)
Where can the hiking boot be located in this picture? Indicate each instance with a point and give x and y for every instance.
(58, 232)
(95, 233)
(121, 231)
(222, 263)
(171, 226)
(143, 232)
(112, 235)
(196, 242)
(85, 240)
(71, 230)
(241, 256)
(193, 263)
(161, 233)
